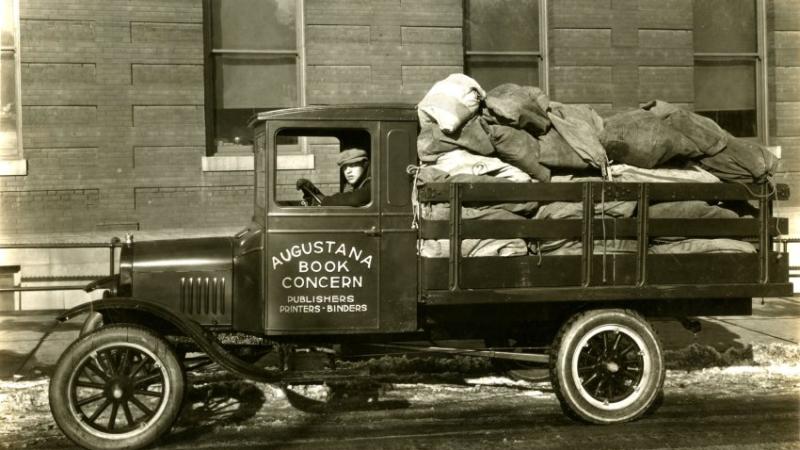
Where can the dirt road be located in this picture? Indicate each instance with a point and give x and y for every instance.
(745, 407)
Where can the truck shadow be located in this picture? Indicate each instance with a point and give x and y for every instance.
(221, 403)
(347, 397)
(674, 336)
(215, 404)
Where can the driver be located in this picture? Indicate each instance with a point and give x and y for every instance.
(354, 164)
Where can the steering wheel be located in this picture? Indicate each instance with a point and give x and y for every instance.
(311, 195)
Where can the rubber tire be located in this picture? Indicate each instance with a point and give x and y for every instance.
(573, 403)
(59, 386)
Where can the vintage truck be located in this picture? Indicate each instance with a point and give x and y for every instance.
(315, 277)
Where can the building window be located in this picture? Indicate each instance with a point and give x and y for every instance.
(253, 64)
(729, 78)
(505, 41)
(10, 115)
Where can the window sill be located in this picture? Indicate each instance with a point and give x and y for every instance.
(13, 167)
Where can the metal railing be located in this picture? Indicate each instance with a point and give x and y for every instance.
(111, 246)
(794, 271)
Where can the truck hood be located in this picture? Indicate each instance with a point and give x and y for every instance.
(200, 254)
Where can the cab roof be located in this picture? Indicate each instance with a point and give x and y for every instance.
(372, 111)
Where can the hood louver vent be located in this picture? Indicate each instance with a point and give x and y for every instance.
(203, 295)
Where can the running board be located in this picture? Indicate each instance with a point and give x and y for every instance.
(526, 357)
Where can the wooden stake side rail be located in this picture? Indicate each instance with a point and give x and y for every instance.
(638, 275)
(610, 191)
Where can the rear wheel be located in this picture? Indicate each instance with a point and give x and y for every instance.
(119, 387)
(607, 366)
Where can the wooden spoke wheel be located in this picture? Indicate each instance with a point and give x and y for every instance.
(607, 366)
(119, 387)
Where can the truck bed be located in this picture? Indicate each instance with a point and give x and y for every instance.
(593, 276)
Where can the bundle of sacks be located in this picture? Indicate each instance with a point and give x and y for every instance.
(515, 134)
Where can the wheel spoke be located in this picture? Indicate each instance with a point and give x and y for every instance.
(625, 376)
(598, 388)
(112, 419)
(138, 367)
(147, 393)
(128, 416)
(586, 383)
(147, 379)
(91, 399)
(616, 341)
(86, 384)
(123, 361)
(105, 362)
(142, 407)
(99, 410)
(627, 349)
(99, 372)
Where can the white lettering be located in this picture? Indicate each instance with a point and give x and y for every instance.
(367, 261)
(299, 250)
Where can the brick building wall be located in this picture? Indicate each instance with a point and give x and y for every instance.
(113, 122)
(616, 54)
(784, 92)
(380, 51)
(113, 98)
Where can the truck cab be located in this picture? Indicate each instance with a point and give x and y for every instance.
(330, 269)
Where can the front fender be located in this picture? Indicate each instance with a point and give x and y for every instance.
(207, 342)
(127, 304)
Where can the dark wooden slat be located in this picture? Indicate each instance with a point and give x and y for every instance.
(504, 192)
(557, 271)
(614, 228)
(615, 191)
(714, 228)
(703, 191)
(702, 269)
(546, 192)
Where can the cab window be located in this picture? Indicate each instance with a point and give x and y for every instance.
(325, 168)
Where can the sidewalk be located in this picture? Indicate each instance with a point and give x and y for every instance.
(776, 322)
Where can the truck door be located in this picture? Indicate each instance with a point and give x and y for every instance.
(322, 263)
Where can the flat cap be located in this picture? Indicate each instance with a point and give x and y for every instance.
(350, 156)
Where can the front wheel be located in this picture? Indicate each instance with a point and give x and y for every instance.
(119, 387)
(607, 366)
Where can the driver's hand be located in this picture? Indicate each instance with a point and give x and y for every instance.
(306, 185)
